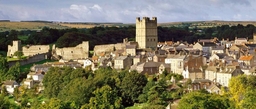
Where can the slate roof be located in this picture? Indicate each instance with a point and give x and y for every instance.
(152, 64)
(221, 55)
(218, 48)
(121, 58)
(9, 82)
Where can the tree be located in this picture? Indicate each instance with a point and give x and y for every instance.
(18, 54)
(16, 93)
(55, 103)
(105, 98)
(52, 82)
(14, 72)
(4, 103)
(237, 88)
(249, 101)
(4, 91)
(131, 87)
(199, 100)
(3, 64)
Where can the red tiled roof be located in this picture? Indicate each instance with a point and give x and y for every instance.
(246, 58)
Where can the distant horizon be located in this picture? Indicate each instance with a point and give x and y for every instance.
(121, 22)
(126, 11)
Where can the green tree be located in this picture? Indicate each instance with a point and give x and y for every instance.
(105, 98)
(3, 64)
(16, 93)
(237, 88)
(52, 82)
(4, 91)
(198, 100)
(249, 101)
(132, 86)
(18, 54)
(4, 103)
(55, 103)
(14, 72)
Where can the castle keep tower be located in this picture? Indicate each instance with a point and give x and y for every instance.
(146, 32)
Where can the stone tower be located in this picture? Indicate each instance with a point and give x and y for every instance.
(146, 32)
(16, 46)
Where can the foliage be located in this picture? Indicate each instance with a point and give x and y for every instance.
(6, 73)
(199, 100)
(105, 98)
(241, 91)
(131, 87)
(18, 54)
(4, 103)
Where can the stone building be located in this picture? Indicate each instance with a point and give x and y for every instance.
(123, 62)
(80, 51)
(28, 50)
(16, 46)
(31, 50)
(146, 32)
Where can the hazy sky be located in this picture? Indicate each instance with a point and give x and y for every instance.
(127, 10)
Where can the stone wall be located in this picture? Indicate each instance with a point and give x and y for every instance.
(31, 59)
(107, 48)
(103, 48)
(28, 50)
(31, 50)
(81, 51)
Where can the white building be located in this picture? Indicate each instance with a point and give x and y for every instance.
(177, 63)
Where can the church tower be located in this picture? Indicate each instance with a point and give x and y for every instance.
(146, 32)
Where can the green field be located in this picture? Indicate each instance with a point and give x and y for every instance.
(27, 67)
(23, 38)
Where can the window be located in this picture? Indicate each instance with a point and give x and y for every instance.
(39, 48)
(71, 51)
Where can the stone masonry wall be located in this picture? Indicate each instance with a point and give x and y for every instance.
(31, 50)
(81, 51)
(32, 59)
(108, 48)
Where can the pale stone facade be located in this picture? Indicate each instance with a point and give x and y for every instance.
(146, 32)
(29, 50)
(123, 62)
(16, 46)
(176, 62)
(81, 51)
(107, 48)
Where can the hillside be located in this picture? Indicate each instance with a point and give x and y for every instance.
(6, 25)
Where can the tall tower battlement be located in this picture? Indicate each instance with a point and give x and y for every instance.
(146, 32)
(16, 46)
(146, 19)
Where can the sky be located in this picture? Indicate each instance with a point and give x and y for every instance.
(126, 11)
